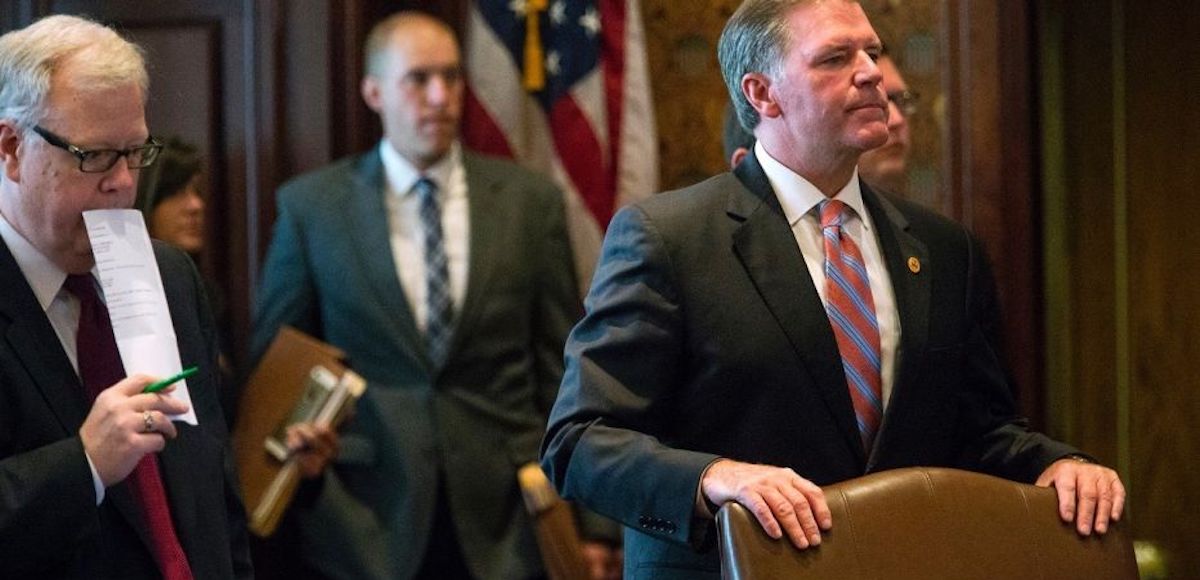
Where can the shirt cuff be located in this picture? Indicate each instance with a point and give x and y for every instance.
(97, 484)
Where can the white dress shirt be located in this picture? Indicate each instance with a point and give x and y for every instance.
(799, 199)
(61, 307)
(407, 235)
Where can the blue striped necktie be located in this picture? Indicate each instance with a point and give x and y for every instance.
(439, 308)
(851, 310)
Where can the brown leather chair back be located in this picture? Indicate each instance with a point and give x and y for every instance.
(931, 524)
(553, 525)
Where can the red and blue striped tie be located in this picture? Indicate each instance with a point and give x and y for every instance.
(851, 310)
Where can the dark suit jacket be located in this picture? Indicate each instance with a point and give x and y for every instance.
(50, 526)
(466, 426)
(704, 337)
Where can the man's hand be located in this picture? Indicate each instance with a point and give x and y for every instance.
(315, 447)
(776, 496)
(604, 561)
(1088, 494)
(115, 434)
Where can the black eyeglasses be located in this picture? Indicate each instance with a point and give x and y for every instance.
(101, 160)
(906, 101)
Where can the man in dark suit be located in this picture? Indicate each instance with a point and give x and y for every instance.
(95, 480)
(784, 327)
(447, 279)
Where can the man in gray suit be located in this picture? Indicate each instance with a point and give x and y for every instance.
(447, 279)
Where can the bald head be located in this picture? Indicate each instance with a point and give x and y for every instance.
(414, 83)
(377, 48)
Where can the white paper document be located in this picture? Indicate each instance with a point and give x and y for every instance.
(133, 291)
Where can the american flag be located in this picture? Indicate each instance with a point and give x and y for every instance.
(561, 86)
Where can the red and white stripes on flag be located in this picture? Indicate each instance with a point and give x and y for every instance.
(561, 86)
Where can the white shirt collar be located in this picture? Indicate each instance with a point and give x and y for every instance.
(401, 175)
(44, 277)
(798, 196)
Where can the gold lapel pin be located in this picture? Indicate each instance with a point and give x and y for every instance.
(914, 265)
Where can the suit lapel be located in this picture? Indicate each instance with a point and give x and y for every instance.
(368, 227)
(177, 465)
(912, 290)
(29, 334)
(767, 249)
(488, 215)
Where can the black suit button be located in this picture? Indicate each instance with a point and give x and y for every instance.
(656, 524)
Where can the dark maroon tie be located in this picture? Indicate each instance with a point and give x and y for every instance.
(100, 367)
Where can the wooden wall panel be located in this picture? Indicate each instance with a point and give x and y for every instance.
(990, 167)
(1163, 168)
(1088, 394)
(1125, 385)
(690, 97)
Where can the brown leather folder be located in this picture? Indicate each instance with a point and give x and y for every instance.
(269, 397)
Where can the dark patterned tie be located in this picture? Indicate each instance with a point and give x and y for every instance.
(851, 310)
(100, 367)
(440, 309)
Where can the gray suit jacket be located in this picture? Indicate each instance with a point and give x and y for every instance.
(467, 425)
(50, 526)
(705, 337)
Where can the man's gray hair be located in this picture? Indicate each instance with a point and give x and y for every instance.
(755, 39)
(29, 58)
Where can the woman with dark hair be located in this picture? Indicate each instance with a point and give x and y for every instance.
(169, 195)
(171, 198)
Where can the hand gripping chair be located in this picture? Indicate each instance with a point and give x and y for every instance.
(932, 524)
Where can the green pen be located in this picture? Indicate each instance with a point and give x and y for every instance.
(160, 385)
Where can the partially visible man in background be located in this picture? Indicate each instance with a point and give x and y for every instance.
(736, 140)
(885, 166)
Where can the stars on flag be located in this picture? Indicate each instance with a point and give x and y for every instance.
(590, 21)
(558, 12)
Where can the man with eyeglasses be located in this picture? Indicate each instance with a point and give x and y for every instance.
(884, 166)
(96, 481)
